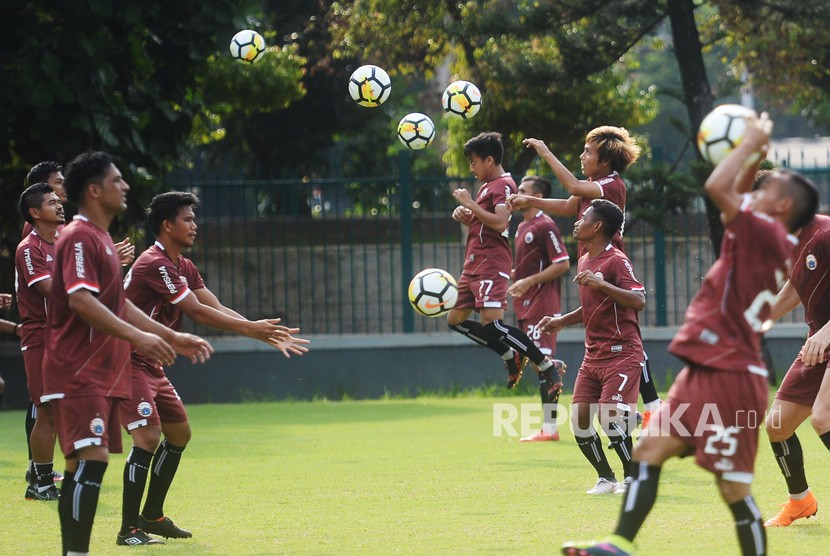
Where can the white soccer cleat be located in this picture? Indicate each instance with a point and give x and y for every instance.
(603, 486)
(622, 487)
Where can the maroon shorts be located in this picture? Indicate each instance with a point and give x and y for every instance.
(619, 384)
(483, 291)
(86, 421)
(718, 414)
(154, 401)
(33, 361)
(545, 342)
(801, 384)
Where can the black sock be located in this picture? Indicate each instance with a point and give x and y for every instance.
(750, 527)
(638, 499)
(647, 389)
(31, 416)
(790, 460)
(65, 506)
(517, 340)
(549, 390)
(165, 463)
(826, 439)
(82, 504)
(592, 450)
(477, 333)
(43, 475)
(623, 445)
(136, 469)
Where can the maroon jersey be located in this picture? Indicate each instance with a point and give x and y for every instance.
(538, 245)
(809, 275)
(156, 284)
(612, 334)
(487, 250)
(725, 320)
(32, 263)
(80, 360)
(611, 188)
(27, 229)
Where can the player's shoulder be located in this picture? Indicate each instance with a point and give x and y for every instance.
(612, 179)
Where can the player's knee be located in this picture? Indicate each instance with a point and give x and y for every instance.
(731, 491)
(820, 419)
(146, 438)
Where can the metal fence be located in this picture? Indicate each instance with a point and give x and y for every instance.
(335, 256)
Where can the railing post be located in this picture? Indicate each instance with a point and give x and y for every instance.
(405, 184)
(661, 311)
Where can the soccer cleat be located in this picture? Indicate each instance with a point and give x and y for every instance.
(515, 365)
(807, 507)
(612, 546)
(136, 537)
(50, 494)
(57, 476)
(603, 486)
(644, 418)
(163, 527)
(541, 436)
(622, 487)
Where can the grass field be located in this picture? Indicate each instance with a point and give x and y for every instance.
(424, 476)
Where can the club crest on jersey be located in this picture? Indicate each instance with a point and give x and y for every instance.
(145, 409)
(97, 426)
(811, 262)
(599, 275)
(49, 258)
(529, 237)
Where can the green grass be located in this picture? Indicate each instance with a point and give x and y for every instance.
(423, 476)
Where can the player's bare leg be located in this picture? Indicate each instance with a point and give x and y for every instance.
(782, 421)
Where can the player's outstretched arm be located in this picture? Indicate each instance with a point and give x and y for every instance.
(556, 207)
(550, 325)
(191, 346)
(727, 182)
(98, 316)
(205, 308)
(575, 186)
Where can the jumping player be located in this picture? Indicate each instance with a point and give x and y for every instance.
(43, 211)
(610, 296)
(804, 392)
(488, 261)
(720, 342)
(90, 327)
(540, 260)
(164, 284)
(607, 153)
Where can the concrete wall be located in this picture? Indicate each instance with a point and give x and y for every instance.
(371, 366)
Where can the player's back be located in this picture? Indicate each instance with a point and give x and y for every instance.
(725, 320)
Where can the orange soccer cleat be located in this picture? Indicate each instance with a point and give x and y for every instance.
(541, 436)
(794, 509)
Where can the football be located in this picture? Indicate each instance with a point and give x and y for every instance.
(369, 86)
(721, 131)
(433, 292)
(416, 131)
(247, 46)
(461, 99)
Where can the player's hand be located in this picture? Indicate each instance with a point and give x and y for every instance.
(126, 251)
(814, 350)
(291, 344)
(463, 196)
(757, 131)
(463, 215)
(267, 329)
(154, 348)
(197, 349)
(537, 145)
(550, 325)
(588, 278)
(5, 301)
(518, 202)
(519, 287)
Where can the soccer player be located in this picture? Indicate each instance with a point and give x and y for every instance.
(724, 386)
(43, 211)
(607, 153)
(610, 296)
(540, 260)
(803, 392)
(90, 327)
(165, 284)
(488, 261)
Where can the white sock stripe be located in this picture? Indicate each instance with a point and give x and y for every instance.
(76, 502)
(500, 326)
(758, 537)
(753, 507)
(162, 456)
(784, 467)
